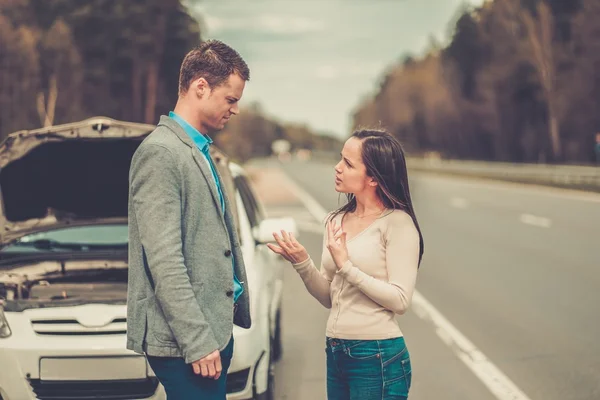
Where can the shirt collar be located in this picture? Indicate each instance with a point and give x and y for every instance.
(201, 140)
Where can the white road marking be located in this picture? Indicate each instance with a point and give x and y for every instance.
(305, 220)
(311, 227)
(298, 212)
(459, 202)
(496, 381)
(534, 220)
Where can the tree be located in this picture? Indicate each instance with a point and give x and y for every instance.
(583, 77)
(61, 76)
(468, 52)
(19, 77)
(118, 58)
(518, 81)
(539, 34)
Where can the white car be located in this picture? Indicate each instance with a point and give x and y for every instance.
(63, 269)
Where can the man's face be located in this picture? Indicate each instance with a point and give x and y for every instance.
(216, 105)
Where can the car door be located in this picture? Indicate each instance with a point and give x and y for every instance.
(266, 265)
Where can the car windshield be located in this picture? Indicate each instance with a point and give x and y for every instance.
(76, 238)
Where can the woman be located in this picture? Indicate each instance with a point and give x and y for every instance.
(372, 251)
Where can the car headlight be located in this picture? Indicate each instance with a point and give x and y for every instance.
(4, 328)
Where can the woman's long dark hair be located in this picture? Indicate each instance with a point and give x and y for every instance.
(384, 159)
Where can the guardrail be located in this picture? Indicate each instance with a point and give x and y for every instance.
(566, 176)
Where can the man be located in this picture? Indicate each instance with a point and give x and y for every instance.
(187, 281)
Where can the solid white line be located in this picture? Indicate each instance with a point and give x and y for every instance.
(309, 202)
(311, 227)
(534, 220)
(498, 383)
(298, 212)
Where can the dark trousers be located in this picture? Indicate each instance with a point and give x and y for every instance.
(181, 383)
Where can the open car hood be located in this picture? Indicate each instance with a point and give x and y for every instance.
(72, 174)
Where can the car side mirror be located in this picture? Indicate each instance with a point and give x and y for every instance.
(263, 233)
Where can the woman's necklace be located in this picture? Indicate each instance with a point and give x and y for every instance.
(368, 215)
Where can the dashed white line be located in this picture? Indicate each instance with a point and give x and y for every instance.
(530, 219)
(497, 382)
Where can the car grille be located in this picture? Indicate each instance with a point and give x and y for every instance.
(236, 381)
(106, 390)
(70, 327)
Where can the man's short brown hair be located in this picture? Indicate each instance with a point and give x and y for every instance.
(214, 61)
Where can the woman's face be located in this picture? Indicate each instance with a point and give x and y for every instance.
(351, 172)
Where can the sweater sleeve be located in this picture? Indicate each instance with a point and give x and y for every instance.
(317, 282)
(401, 240)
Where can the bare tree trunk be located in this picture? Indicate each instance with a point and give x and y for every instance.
(136, 89)
(151, 89)
(554, 127)
(52, 96)
(46, 111)
(5, 104)
(539, 36)
(154, 67)
(541, 44)
(41, 108)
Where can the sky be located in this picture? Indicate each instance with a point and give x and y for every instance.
(314, 61)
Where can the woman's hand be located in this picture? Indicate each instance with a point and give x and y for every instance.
(288, 247)
(336, 244)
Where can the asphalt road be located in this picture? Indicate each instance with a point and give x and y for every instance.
(513, 271)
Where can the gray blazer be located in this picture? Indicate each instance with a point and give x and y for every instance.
(180, 290)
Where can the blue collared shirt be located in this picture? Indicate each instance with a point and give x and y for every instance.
(203, 142)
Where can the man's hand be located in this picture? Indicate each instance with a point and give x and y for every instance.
(209, 366)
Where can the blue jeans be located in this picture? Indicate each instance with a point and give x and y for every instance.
(368, 369)
(181, 383)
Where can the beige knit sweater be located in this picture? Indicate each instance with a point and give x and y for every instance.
(375, 284)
